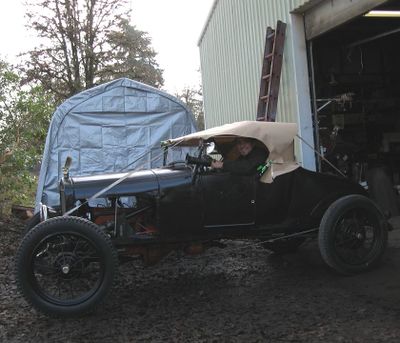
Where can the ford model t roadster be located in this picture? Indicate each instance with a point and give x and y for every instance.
(66, 263)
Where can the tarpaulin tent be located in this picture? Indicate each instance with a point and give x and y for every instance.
(109, 128)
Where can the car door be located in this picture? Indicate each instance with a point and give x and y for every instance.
(229, 200)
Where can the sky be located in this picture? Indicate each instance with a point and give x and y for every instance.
(173, 25)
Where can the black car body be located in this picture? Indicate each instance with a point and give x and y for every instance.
(188, 206)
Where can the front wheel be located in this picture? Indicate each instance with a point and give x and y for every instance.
(352, 235)
(65, 266)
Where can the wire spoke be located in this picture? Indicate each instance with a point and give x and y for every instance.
(355, 237)
(66, 267)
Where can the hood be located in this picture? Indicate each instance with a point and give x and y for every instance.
(85, 187)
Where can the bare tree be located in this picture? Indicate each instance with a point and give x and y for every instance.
(84, 42)
(193, 98)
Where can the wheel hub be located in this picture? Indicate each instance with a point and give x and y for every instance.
(69, 265)
(65, 269)
(360, 236)
(353, 234)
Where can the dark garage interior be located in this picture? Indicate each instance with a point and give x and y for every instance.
(356, 87)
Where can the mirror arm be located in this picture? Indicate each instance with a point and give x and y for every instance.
(67, 165)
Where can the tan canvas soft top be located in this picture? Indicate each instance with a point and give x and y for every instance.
(277, 137)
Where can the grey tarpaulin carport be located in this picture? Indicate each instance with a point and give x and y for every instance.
(106, 128)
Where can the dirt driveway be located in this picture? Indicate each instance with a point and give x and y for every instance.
(238, 294)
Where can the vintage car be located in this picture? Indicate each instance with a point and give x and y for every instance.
(66, 264)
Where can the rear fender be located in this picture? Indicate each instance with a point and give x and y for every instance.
(321, 207)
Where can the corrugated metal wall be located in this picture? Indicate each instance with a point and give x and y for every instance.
(231, 49)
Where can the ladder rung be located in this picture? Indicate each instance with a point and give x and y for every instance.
(271, 72)
(266, 77)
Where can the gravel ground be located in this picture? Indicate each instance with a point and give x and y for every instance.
(238, 294)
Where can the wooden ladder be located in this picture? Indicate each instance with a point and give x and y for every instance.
(271, 72)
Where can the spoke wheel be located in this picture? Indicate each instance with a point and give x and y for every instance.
(352, 235)
(65, 266)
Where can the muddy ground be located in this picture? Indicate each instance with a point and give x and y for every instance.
(239, 294)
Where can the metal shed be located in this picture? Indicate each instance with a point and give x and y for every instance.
(231, 48)
(117, 126)
(339, 81)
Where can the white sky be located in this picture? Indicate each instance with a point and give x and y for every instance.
(173, 25)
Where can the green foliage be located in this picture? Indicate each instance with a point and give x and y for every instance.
(24, 118)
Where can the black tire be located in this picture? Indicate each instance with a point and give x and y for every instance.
(285, 246)
(352, 235)
(65, 266)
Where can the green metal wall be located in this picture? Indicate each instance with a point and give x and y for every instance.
(231, 49)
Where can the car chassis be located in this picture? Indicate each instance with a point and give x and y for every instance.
(67, 261)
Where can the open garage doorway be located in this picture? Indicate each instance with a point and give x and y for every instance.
(356, 102)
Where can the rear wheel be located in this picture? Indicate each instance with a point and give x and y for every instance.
(65, 266)
(352, 235)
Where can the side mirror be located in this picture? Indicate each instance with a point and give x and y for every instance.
(210, 148)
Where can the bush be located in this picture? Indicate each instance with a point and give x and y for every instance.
(24, 118)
